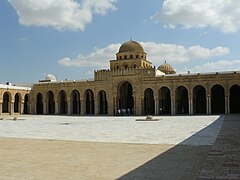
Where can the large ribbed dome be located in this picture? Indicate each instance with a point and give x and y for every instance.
(166, 68)
(131, 46)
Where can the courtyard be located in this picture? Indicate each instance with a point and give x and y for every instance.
(125, 129)
(73, 147)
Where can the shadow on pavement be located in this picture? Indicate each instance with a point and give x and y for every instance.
(183, 161)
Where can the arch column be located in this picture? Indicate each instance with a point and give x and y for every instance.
(173, 105)
(1, 104)
(227, 104)
(96, 109)
(44, 107)
(35, 107)
(22, 107)
(69, 109)
(209, 110)
(83, 108)
(12, 107)
(190, 104)
(56, 106)
(136, 110)
(156, 101)
(114, 103)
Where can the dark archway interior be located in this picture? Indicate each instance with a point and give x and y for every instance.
(235, 99)
(89, 102)
(6, 101)
(63, 102)
(182, 100)
(149, 102)
(76, 106)
(126, 97)
(39, 104)
(16, 103)
(199, 100)
(103, 105)
(164, 101)
(26, 104)
(217, 100)
(51, 103)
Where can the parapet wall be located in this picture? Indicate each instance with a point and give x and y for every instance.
(101, 75)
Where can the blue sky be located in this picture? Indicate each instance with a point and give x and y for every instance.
(70, 38)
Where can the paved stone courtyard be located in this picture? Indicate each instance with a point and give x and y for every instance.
(125, 129)
(176, 147)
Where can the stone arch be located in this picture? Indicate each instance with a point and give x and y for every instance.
(6, 106)
(217, 99)
(182, 105)
(149, 105)
(164, 95)
(39, 105)
(116, 66)
(134, 65)
(125, 96)
(199, 100)
(102, 102)
(62, 102)
(17, 103)
(51, 102)
(75, 102)
(89, 101)
(125, 66)
(26, 104)
(235, 99)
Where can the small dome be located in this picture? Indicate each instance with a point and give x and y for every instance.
(50, 77)
(131, 46)
(166, 68)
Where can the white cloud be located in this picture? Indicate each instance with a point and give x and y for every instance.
(180, 54)
(223, 65)
(157, 54)
(98, 58)
(220, 14)
(60, 14)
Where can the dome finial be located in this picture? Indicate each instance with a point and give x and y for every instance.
(165, 61)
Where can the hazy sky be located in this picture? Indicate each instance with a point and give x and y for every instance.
(72, 38)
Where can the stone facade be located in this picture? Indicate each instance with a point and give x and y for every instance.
(134, 87)
(14, 100)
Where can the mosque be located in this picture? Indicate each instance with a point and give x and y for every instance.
(131, 85)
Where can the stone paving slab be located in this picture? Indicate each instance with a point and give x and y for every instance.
(168, 130)
(223, 161)
(49, 158)
(23, 159)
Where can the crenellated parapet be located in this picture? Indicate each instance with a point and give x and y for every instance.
(104, 74)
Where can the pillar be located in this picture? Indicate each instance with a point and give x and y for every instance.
(83, 111)
(1, 103)
(44, 107)
(12, 107)
(96, 109)
(35, 107)
(69, 109)
(190, 105)
(22, 108)
(209, 109)
(156, 101)
(56, 106)
(227, 107)
(142, 105)
(173, 111)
